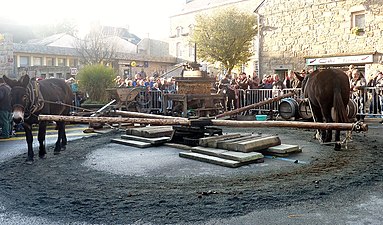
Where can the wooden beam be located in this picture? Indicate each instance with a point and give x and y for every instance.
(295, 124)
(144, 115)
(229, 123)
(78, 119)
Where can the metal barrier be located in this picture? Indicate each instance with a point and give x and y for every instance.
(369, 100)
(151, 101)
(253, 96)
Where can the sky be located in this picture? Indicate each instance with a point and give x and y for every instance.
(145, 18)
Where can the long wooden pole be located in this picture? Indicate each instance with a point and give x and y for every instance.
(295, 124)
(229, 123)
(255, 105)
(79, 119)
(145, 115)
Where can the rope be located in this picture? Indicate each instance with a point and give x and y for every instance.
(60, 103)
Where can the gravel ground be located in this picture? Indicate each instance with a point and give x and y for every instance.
(73, 187)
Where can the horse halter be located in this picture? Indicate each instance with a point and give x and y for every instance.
(33, 101)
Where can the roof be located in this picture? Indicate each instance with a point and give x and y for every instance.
(56, 40)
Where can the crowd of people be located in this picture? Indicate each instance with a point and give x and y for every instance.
(366, 91)
(152, 83)
(230, 85)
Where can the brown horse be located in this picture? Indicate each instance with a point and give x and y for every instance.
(328, 92)
(30, 98)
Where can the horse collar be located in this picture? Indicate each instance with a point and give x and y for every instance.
(35, 98)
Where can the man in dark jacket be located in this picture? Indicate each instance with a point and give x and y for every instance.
(5, 110)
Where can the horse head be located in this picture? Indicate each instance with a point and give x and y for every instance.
(20, 99)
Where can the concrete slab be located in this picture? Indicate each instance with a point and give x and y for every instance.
(138, 144)
(214, 139)
(153, 141)
(283, 148)
(225, 154)
(210, 159)
(223, 144)
(255, 144)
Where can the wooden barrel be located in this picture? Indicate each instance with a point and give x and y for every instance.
(304, 110)
(352, 109)
(288, 108)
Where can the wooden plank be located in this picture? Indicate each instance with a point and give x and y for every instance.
(283, 148)
(153, 141)
(225, 154)
(256, 144)
(151, 132)
(224, 143)
(213, 139)
(133, 143)
(211, 159)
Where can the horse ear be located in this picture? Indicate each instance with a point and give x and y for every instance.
(10, 82)
(24, 80)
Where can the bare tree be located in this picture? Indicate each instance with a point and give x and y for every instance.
(97, 47)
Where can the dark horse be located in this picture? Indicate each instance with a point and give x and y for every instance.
(29, 98)
(328, 92)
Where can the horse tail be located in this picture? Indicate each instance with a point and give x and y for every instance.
(339, 107)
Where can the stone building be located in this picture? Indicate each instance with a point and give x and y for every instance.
(182, 25)
(55, 56)
(6, 55)
(299, 34)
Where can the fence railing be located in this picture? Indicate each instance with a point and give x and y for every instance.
(369, 100)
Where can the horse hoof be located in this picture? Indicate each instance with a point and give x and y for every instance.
(29, 162)
(56, 153)
(43, 156)
(337, 147)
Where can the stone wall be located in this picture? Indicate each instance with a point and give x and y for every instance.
(6, 56)
(295, 29)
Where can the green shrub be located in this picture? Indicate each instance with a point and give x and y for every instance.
(94, 80)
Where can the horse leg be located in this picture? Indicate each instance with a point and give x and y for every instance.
(58, 142)
(317, 114)
(328, 119)
(41, 139)
(62, 134)
(29, 138)
(338, 145)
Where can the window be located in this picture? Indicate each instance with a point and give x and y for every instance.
(178, 50)
(358, 19)
(73, 62)
(61, 62)
(37, 61)
(50, 61)
(179, 31)
(191, 29)
(191, 50)
(24, 61)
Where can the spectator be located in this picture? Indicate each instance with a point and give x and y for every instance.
(5, 110)
(226, 87)
(288, 79)
(243, 82)
(357, 87)
(268, 82)
(254, 82)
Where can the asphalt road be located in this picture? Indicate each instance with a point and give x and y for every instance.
(365, 206)
(17, 145)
